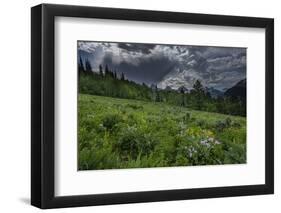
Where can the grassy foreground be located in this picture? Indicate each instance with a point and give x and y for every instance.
(120, 133)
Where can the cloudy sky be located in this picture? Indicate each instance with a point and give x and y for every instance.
(169, 65)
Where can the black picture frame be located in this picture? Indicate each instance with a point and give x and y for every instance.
(43, 102)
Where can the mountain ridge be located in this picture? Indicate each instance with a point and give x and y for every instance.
(238, 90)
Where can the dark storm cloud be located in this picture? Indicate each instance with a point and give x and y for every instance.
(143, 48)
(169, 65)
(150, 70)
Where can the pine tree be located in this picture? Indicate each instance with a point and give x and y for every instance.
(199, 94)
(100, 70)
(158, 98)
(88, 66)
(81, 65)
(122, 77)
(182, 90)
(198, 87)
(106, 70)
(111, 73)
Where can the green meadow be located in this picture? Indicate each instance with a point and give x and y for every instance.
(118, 133)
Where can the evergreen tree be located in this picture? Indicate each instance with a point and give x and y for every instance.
(182, 90)
(106, 70)
(158, 98)
(199, 94)
(88, 66)
(100, 70)
(198, 87)
(111, 73)
(122, 77)
(81, 65)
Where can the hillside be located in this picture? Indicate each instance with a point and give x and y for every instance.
(238, 90)
(123, 133)
(199, 98)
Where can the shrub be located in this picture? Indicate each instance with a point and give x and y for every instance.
(228, 121)
(187, 117)
(236, 124)
(198, 132)
(223, 124)
(110, 120)
(132, 143)
(234, 153)
(201, 123)
(191, 152)
(199, 147)
(97, 158)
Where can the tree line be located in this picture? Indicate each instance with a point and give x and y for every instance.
(108, 82)
(103, 72)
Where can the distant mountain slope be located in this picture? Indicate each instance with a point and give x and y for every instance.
(238, 90)
(215, 93)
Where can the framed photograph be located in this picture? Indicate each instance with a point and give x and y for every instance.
(139, 106)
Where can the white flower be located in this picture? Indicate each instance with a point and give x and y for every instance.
(217, 142)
